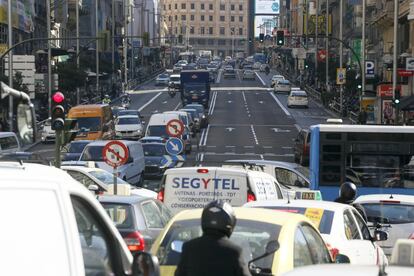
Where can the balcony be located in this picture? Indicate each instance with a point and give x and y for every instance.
(384, 17)
(411, 14)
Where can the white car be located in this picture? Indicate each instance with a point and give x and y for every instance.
(48, 134)
(275, 79)
(162, 79)
(256, 65)
(298, 98)
(394, 210)
(128, 127)
(341, 226)
(249, 74)
(349, 269)
(282, 86)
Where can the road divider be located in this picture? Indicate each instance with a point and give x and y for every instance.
(280, 104)
(213, 103)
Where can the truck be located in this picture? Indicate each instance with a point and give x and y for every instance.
(195, 87)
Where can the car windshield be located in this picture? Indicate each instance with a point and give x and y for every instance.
(121, 214)
(195, 88)
(199, 108)
(128, 121)
(154, 150)
(175, 79)
(395, 213)
(251, 235)
(77, 147)
(193, 112)
(128, 112)
(88, 124)
(106, 177)
(303, 170)
(157, 131)
(92, 153)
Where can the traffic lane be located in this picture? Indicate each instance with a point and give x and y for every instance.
(212, 158)
(237, 81)
(140, 99)
(228, 107)
(158, 103)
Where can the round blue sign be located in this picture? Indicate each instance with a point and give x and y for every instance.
(275, 7)
(174, 146)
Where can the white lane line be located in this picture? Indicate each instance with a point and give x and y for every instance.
(202, 157)
(205, 136)
(244, 98)
(230, 146)
(260, 78)
(248, 147)
(238, 76)
(177, 106)
(254, 135)
(149, 102)
(213, 104)
(219, 76)
(298, 127)
(280, 104)
(287, 147)
(202, 137)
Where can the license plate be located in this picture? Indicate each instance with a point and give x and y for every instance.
(194, 97)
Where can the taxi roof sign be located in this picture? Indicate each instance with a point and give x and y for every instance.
(308, 195)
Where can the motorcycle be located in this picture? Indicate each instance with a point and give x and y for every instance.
(171, 92)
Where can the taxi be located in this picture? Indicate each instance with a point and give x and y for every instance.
(300, 243)
(341, 226)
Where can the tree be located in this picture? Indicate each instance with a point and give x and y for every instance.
(70, 77)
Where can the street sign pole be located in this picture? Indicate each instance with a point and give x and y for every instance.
(58, 144)
(115, 180)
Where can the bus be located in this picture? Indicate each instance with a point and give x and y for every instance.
(377, 158)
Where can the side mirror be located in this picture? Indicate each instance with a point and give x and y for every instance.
(342, 259)
(94, 188)
(145, 264)
(177, 246)
(380, 235)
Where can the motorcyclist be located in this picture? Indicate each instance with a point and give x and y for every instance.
(213, 253)
(347, 194)
(107, 99)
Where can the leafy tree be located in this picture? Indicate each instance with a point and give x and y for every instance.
(70, 77)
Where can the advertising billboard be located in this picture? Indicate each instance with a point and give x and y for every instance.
(264, 24)
(267, 6)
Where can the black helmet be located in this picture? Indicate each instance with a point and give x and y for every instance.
(218, 216)
(347, 192)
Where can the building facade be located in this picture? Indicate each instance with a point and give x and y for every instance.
(215, 25)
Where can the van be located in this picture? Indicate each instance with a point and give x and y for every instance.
(9, 143)
(70, 230)
(132, 171)
(194, 187)
(94, 121)
(157, 127)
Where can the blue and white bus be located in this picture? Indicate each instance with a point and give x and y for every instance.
(378, 159)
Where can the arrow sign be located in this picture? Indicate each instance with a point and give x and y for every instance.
(229, 102)
(230, 129)
(280, 130)
(174, 146)
(260, 102)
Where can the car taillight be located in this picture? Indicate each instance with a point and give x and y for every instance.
(390, 201)
(160, 195)
(250, 197)
(135, 241)
(334, 251)
(202, 171)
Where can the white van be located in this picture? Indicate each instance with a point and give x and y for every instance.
(131, 172)
(194, 187)
(9, 143)
(69, 229)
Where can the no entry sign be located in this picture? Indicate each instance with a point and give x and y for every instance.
(175, 128)
(115, 153)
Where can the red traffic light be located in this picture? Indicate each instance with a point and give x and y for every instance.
(58, 97)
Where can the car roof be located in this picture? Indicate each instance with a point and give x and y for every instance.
(348, 269)
(132, 199)
(80, 142)
(375, 198)
(104, 142)
(264, 162)
(278, 76)
(175, 75)
(154, 144)
(301, 203)
(193, 170)
(81, 168)
(7, 134)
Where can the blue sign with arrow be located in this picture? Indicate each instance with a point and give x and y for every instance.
(170, 161)
(174, 146)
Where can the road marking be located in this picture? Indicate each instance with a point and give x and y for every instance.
(177, 106)
(298, 127)
(244, 98)
(260, 102)
(149, 102)
(267, 147)
(230, 129)
(202, 137)
(213, 104)
(249, 154)
(261, 156)
(229, 102)
(205, 136)
(248, 147)
(164, 102)
(260, 78)
(275, 129)
(248, 125)
(211, 146)
(254, 135)
(280, 104)
(238, 75)
(287, 147)
(230, 146)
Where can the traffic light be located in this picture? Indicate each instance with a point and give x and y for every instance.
(261, 37)
(69, 134)
(397, 96)
(58, 111)
(280, 38)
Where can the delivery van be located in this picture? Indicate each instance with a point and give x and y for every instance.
(194, 187)
(94, 121)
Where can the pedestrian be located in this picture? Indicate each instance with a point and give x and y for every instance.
(213, 253)
(362, 117)
(347, 194)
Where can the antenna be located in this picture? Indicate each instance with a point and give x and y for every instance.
(288, 198)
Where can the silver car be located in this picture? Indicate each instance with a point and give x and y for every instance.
(162, 79)
(249, 75)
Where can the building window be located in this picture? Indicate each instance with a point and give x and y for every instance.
(211, 30)
(176, 30)
(202, 17)
(192, 17)
(240, 7)
(183, 6)
(240, 31)
(176, 6)
(222, 31)
(222, 18)
(165, 7)
(175, 17)
(202, 6)
(183, 29)
(232, 18)
(210, 18)
(192, 30)
(183, 17)
(210, 6)
(169, 18)
(202, 31)
(192, 6)
(211, 42)
(232, 31)
(240, 18)
(222, 7)
(201, 41)
(169, 6)
(232, 7)
(221, 42)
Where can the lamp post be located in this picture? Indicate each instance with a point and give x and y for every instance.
(341, 4)
(394, 61)
(77, 48)
(10, 31)
(97, 46)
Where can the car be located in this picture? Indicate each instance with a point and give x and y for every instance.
(138, 219)
(175, 81)
(394, 211)
(9, 143)
(117, 109)
(301, 147)
(340, 225)
(104, 181)
(276, 78)
(229, 73)
(249, 74)
(298, 98)
(354, 270)
(128, 127)
(202, 113)
(72, 233)
(157, 160)
(212, 67)
(256, 65)
(24, 156)
(263, 67)
(162, 79)
(74, 150)
(196, 118)
(282, 86)
(47, 133)
(133, 112)
(153, 139)
(256, 229)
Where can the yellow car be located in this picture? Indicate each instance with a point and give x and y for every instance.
(299, 242)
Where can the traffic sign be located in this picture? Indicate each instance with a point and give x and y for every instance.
(174, 146)
(369, 69)
(168, 160)
(175, 128)
(115, 153)
(340, 76)
(409, 65)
